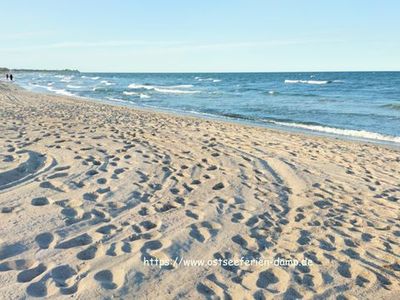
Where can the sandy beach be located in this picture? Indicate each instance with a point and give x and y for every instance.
(91, 193)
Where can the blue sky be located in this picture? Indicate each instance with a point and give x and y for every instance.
(184, 36)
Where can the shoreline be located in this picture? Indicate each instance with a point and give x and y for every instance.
(252, 123)
(90, 192)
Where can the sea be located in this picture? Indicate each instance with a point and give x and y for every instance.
(355, 105)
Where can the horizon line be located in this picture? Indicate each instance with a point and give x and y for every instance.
(192, 72)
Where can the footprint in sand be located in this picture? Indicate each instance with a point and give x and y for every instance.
(163, 207)
(51, 186)
(150, 246)
(107, 229)
(204, 231)
(88, 253)
(218, 186)
(37, 289)
(274, 280)
(40, 201)
(64, 277)
(6, 210)
(344, 269)
(16, 265)
(197, 215)
(90, 196)
(81, 240)
(119, 248)
(44, 240)
(30, 274)
(106, 279)
(246, 243)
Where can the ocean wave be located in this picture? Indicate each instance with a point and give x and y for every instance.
(174, 91)
(66, 79)
(105, 82)
(129, 93)
(180, 86)
(345, 132)
(144, 96)
(38, 85)
(74, 86)
(163, 89)
(207, 79)
(395, 106)
(308, 81)
(94, 78)
(116, 99)
(140, 86)
(60, 91)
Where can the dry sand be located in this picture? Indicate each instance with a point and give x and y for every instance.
(88, 191)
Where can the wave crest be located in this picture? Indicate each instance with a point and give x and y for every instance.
(308, 81)
(338, 131)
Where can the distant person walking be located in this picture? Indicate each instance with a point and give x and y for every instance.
(11, 77)
(7, 76)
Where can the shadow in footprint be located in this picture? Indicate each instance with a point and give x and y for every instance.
(206, 291)
(265, 278)
(344, 269)
(105, 278)
(41, 201)
(61, 274)
(87, 254)
(49, 185)
(150, 246)
(44, 240)
(37, 289)
(7, 251)
(28, 275)
(80, 240)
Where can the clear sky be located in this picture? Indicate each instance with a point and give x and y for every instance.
(190, 35)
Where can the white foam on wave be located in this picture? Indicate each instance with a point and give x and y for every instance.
(105, 82)
(174, 91)
(60, 91)
(37, 85)
(74, 86)
(345, 132)
(180, 86)
(141, 95)
(207, 79)
(164, 89)
(94, 78)
(129, 93)
(65, 78)
(116, 100)
(141, 86)
(308, 81)
(144, 96)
